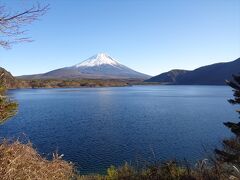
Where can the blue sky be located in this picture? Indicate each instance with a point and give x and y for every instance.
(151, 36)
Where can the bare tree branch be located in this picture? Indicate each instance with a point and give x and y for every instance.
(11, 24)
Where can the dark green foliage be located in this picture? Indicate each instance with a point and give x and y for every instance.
(7, 107)
(230, 154)
(235, 84)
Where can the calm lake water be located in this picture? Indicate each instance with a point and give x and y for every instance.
(98, 127)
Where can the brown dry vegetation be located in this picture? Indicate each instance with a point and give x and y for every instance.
(74, 83)
(21, 161)
(169, 171)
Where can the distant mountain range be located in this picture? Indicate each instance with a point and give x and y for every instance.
(100, 66)
(214, 74)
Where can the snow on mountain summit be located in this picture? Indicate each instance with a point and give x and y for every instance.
(100, 66)
(97, 60)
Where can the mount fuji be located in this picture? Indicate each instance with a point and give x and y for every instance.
(100, 66)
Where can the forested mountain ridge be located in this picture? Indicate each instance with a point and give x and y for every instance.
(214, 74)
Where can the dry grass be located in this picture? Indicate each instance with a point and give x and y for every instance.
(21, 161)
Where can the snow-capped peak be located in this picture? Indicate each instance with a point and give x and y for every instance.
(97, 60)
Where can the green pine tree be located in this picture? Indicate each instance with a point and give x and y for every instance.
(230, 153)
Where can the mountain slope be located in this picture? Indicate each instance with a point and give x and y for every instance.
(169, 77)
(7, 79)
(214, 74)
(100, 66)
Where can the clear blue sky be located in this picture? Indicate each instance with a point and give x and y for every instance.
(151, 36)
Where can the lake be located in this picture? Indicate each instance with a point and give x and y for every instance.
(99, 127)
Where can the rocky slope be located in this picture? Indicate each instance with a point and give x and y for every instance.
(7, 80)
